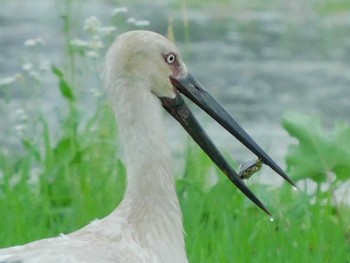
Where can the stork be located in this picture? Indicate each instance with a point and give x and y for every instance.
(145, 73)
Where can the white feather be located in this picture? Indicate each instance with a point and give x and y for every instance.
(147, 225)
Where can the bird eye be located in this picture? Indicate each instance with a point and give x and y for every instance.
(170, 58)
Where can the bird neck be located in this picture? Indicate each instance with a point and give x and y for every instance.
(150, 202)
(142, 135)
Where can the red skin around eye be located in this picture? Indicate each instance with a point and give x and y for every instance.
(176, 69)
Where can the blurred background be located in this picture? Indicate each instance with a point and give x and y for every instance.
(259, 58)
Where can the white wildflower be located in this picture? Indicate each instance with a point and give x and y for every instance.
(119, 10)
(78, 43)
(41, 41)
(142, 23)
(95, 92)
(7, 80)
(34, 42)
(35, 75)
(131, 20)
(92, 24)
(20, 112)
(107, 30)
(44, 65)
(92, 54)
(20, 128)
(27, 66)
(30, 43)
(23, 117)
(95, 44)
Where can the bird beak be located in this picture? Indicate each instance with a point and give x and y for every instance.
(193, 90)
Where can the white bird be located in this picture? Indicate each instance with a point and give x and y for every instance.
(144, 73)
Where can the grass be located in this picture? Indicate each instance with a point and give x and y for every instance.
(64, 177)
(80, 178)
(223, 226)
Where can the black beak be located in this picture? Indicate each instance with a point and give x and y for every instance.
(191, 88)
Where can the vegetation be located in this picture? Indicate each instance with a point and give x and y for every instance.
(65, 176)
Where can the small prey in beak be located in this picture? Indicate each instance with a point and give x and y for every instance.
(248, 168)
(191, 88)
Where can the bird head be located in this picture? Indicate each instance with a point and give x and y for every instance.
(147, 57)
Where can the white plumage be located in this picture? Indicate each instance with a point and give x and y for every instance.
(147, 225)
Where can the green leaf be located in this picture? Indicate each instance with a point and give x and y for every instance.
(65, 88)
(319, 152)
(30, 147)
(64, 149)
(57, 72)
(48, 153)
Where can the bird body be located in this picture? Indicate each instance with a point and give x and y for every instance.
(144, 74)
(147, 225)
